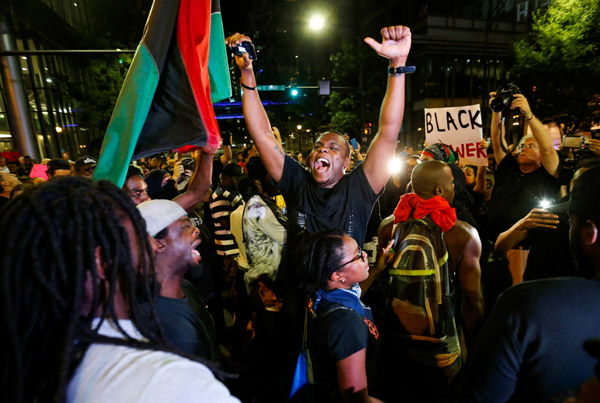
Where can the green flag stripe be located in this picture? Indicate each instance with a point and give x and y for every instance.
(218, 66)
(128, 118)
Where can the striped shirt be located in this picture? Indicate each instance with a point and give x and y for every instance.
(223, 202)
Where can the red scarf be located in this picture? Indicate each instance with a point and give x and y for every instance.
(437, 207)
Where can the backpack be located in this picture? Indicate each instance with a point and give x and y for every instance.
(418, 295)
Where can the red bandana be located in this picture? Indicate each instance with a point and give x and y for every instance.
(437, 207)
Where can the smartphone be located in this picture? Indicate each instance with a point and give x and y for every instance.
(572, 142)
(354, 143)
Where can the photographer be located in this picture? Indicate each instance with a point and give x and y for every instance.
(527, 176)
(524, 179)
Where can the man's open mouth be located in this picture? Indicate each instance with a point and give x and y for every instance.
(195, 253)
(322, 164)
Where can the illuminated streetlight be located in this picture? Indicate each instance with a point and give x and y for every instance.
(58, 129)
(316, 23)
(299, 127)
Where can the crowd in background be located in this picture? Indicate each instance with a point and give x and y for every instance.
(228, 251)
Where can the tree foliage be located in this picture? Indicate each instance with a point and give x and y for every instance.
(561, 58)
(357, 68)
(95, 92)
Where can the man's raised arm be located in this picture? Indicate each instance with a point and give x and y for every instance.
(199, 183)
(395, 46)
(497, 134)
(258, 124)
(548, 155)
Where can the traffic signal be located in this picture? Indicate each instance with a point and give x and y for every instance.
(293, 89)
(367, 130)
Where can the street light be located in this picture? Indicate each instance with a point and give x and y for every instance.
(316, 23)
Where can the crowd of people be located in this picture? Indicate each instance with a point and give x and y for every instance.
(201, 278)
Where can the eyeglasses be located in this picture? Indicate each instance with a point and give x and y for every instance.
(529, 146)
(137, 192)
(360, 256)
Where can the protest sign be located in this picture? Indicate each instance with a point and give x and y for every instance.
(459, 127)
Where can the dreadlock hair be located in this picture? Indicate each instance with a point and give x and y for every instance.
(48, 256)
(320, 255)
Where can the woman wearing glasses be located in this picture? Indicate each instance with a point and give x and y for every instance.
(344, 337)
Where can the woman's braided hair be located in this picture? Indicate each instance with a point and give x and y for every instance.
(320, 255)
(48, 255)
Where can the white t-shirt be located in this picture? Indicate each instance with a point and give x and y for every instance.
(111, 373)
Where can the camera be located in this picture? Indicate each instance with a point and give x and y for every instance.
(188, 164)
(244, 47)
(504, 98)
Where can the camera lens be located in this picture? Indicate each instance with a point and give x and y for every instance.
(497, 104)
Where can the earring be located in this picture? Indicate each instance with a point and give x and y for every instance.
(343, 280)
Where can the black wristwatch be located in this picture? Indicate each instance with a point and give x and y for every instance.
(401, 70)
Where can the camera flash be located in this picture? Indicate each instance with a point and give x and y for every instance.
(545, 203)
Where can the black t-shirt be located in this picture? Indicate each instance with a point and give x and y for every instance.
(347, 205)
(530, 348)
(516, 193)
(3, 201)
(188, 324)
(337, 335)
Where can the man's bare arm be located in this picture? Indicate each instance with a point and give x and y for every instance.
(199, 183)
(395, 46)
(227, 153)
(469, 276)
(497, 134)
(536, 218)
(548, 156)
(258, 124)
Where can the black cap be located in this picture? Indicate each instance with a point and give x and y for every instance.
(83, 162)
(585, 194)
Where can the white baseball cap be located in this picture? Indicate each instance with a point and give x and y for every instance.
(159, 214)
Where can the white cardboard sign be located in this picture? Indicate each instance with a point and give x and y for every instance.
(459, 127)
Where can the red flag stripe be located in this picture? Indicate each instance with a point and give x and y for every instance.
(193, 38)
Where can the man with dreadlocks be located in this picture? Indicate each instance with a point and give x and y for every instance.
(72, 322)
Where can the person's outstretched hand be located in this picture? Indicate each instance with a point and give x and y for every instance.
(395, 43)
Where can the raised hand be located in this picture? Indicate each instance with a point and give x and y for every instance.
(385, 258)
(244, 62)
(395, 44)
(519, 101)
